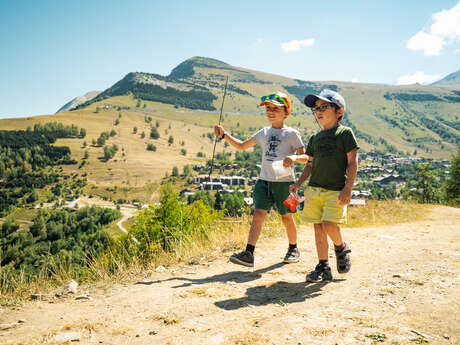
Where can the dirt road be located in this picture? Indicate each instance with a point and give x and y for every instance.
(403, 288)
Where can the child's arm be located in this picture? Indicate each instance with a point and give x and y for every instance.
(303, 177)
(352, 169)
(300, 157)
(236, 143)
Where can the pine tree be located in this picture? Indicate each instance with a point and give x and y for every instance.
(452, 187)
(154, 133)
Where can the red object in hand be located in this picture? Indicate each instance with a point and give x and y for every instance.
(293, 200)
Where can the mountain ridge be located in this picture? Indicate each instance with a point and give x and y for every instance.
(78, 100)
(404, 120)
(452, 79)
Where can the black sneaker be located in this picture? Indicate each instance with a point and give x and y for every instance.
(244, 258)
(292, 256)
(321, 273)
(343, 259)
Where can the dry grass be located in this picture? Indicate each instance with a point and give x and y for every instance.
(249, 338)
(168, 318)
(227, 235)
(380, 213)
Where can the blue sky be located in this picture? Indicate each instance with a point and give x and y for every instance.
(53, 51)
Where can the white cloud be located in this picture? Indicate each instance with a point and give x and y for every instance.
(355, 80)
(430, 44)
(295, 45)
(444, 30)
(418, 77)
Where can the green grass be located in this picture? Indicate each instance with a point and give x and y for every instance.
(114, 231)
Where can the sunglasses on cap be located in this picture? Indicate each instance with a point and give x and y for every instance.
(274, 96)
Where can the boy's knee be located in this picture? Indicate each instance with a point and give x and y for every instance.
(287, 217)
(259, 215)
(319, 228)
(330, 225)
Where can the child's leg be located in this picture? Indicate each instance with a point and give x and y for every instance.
(256, 226)
(246, 257)
(293, 254)
(291, 229)
(333, 230)
(341, 249)
(322, 245)
(322, 271)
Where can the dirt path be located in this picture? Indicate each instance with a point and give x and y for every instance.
(126, 212)
(126, 215)
(404, 279)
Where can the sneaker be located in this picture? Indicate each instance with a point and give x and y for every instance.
(292, 256)
(343, 259)
(321, 273)
(244, 258)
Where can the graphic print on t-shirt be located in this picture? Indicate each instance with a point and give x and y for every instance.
(273, 143)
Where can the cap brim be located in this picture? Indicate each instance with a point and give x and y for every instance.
(310, 100)
(272, 101)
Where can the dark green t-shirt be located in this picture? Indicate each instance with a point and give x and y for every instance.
(329, 149)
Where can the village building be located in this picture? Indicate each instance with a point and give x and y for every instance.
(213, 186)
(388, 180)
(228, 180)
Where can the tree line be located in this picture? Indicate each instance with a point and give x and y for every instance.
(24, 155)
(57, 238)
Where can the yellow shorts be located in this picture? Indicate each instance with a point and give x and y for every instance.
(322, 205)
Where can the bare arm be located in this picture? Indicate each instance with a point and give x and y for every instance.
(303, 177)
(352, 169)
(236, 143)
(300, 157)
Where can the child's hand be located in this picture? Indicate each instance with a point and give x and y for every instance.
(344, 197)
(293, 188)
(288, 161)
(219, 131)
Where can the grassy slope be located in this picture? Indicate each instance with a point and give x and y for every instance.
(139, 166)
(241, 112)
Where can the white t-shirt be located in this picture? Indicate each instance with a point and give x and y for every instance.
(277, 143)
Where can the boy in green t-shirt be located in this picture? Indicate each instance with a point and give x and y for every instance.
(333, 164)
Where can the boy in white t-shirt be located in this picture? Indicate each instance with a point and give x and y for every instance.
(277, 141)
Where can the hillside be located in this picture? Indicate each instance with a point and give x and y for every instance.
(395, 119)
(78, 100)
(403, 291)
(404, 120)
(451, 80)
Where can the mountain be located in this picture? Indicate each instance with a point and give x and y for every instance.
(410, 120)
(452, 79)
(78, 100)
(156, 88)
(394, 119)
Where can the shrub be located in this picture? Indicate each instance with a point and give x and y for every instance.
(172, 222)
(109, 151)
(154, 134)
